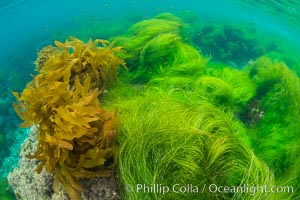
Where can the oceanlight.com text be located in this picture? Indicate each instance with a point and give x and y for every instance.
(211, 188)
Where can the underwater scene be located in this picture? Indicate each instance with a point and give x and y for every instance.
(149, 99)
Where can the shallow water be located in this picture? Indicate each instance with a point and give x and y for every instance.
(28, 26)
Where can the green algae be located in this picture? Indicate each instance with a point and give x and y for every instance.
(169, 143)
(6, 193)
(214, 90)
(276, 135)
(137, 35)
(186, 116)
(2, 139)
(231, 43)
(243, 88)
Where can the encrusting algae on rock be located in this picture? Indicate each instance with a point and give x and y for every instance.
(76, 135)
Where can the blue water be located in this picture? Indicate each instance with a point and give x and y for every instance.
(28, 26)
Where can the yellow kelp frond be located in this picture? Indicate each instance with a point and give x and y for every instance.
(76, 135)
(44, 55)
(95, 59)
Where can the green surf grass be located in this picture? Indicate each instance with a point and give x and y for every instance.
(167, 143)
(140, 33)
(189, 120)
(277, 134)
(6, 192)
(243, 88)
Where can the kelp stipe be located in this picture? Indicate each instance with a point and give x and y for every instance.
(76, 135)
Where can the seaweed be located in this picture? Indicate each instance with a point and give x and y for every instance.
(159, 46)
(142, 32)
(277, 86)
(243, 88)
(167, 53)
(232, 43)
(214, 90)
(167, 143)
(76, 135)
(276, 134)
(44, 54)
(255, 109)
(6, 192)
(186, 119)
(172, 83)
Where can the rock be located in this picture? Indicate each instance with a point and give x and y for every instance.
(28, 184)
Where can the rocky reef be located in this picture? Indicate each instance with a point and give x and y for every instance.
(28, 184)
